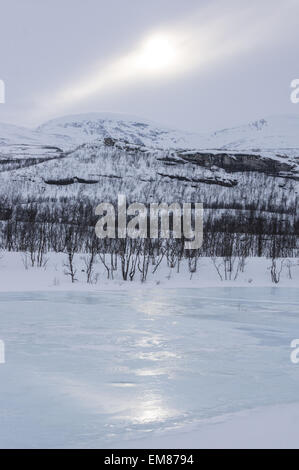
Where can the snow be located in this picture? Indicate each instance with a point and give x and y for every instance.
(159, 367)
(179, 361)
(88, 127)
(272, 427)
(271, 132)
(279, 133)
(15, 277)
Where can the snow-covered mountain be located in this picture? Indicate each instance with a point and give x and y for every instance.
(279, 133)
(246, 177)
(20, 143)
(67, 133)
(89, 147)
(274, 132)
(84, 128)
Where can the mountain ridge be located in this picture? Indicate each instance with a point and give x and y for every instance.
(270, 133)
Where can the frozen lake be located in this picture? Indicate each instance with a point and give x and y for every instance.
(96, 369)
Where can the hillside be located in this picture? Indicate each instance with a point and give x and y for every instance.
(78, 161)
(272, 133)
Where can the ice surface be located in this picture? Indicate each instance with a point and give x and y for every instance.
(103, 368)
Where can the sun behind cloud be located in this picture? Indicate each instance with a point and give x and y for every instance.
(158, 52)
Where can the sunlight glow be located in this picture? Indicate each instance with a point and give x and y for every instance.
(158, 52)
(156, 56)
(192, 44)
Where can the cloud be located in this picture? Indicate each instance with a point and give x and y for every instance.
(211, 35)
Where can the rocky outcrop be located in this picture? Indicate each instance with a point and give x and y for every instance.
(109, 142)
(67, 181)
(61, 182)
(230, 162)
(229, 183)
(236, 162)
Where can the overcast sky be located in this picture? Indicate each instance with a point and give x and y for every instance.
(195, 65)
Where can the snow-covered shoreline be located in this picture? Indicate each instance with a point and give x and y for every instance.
(18, 275)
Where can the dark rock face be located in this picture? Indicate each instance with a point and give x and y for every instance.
(237, 162)
(67, 181)
(61, 182)
(85, 181)
(229, 183)
(109, 142)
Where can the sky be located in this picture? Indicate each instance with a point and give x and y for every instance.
(195, 65)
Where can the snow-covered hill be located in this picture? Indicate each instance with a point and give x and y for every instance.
(20, 143)
(96, 150)
(67, 133)
(84, 128)
(274, 133)
(246, 177)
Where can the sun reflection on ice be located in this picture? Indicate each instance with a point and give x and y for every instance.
(150, 408)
